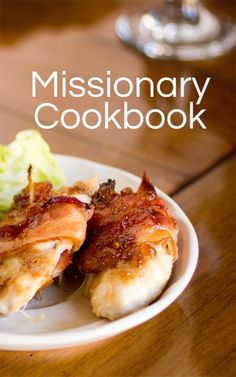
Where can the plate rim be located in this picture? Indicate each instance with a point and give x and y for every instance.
(76, 337)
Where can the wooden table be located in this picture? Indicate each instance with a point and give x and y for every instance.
(195, 336)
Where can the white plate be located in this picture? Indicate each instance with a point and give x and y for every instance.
(60, 322)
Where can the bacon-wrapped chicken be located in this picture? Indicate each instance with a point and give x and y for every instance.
(129, 251)
(37, 239)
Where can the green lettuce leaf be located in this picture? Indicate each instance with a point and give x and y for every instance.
(27, 148)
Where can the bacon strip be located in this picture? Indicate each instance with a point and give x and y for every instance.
(119, 220)
(46, 219)
(64, 199)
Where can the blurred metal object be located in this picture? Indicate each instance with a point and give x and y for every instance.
(180, 29)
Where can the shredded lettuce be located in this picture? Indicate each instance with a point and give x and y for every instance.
(27, 148)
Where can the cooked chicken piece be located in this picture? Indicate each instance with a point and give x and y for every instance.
(37, 240)
(129, 250)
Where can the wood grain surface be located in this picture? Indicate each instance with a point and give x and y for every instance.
(195, 336)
